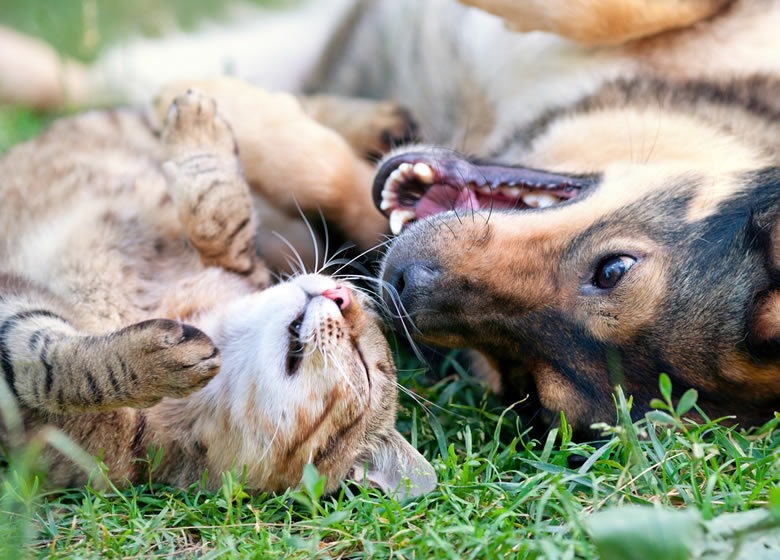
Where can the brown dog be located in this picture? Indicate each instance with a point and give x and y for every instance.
(630, 233)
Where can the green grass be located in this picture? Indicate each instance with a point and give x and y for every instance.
(18, 124)
(708, 491)
(501, 494)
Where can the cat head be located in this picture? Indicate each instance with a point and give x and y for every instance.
(307, 377)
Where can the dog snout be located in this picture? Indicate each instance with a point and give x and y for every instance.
(408, 284)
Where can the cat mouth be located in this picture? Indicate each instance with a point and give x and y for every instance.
(413, 186)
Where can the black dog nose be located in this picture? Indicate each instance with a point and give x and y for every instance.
(409, 283)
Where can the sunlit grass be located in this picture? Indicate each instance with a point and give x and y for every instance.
(501, 494)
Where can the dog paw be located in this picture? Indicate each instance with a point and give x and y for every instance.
(371, 128)
(175, 359)
(192, 124)
(390, 126)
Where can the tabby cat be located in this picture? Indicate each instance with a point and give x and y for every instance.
(117, 240)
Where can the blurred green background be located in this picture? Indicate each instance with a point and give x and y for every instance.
(82, 28)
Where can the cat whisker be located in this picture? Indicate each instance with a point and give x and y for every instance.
(420, 400)
(365, 291)
(401, 314)
(373, 248)
(333, 260)
(327, 239)
(295, 253)
(346, 378)
(313, 235)
(270, 444)
(416, 398)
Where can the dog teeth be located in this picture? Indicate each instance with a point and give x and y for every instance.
(403, 173)
(540, 200)
(394, 176)
(484, 189)
(512, 192)
(423, 172)
(399, 217)
(389, 198)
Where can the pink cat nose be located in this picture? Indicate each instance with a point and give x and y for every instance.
(340, 295)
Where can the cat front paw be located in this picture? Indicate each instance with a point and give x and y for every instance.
(193, 124)
(168, 358)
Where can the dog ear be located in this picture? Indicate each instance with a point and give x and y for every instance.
(764, 318)
(765, 321)
(396, 468)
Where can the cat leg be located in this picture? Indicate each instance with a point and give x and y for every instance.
(292, 161)
(206, 183)
(49, 365)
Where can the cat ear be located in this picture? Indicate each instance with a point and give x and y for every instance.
(396, 468)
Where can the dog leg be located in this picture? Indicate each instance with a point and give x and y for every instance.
(600, 22)
(291, 160)
(372, 128)
(33, 74)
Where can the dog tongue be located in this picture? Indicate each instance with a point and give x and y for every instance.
(442, 198)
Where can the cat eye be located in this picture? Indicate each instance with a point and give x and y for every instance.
(295, 346)
(611, 270)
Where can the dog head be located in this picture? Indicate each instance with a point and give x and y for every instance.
(627, 257)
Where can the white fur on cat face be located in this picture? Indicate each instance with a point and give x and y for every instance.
(336, 409)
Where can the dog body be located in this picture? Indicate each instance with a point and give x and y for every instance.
(609, 239)
(471, 81)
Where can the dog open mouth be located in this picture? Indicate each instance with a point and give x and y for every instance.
(417, 185)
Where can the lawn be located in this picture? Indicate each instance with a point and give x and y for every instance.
(662, 487)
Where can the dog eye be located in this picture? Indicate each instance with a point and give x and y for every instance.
(611, 270)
